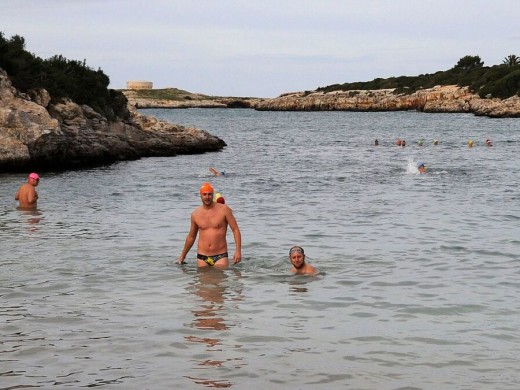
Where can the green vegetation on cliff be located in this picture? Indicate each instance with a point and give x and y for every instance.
(170, 94)
(62, 78)
(501, 81)
(175, 94)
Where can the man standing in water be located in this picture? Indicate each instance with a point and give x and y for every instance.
(299, 266)
(26, 194)
(212, 220)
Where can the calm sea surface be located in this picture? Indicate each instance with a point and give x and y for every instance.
(420, 274)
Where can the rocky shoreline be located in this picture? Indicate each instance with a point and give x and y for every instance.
(191, 101)
(440, 99)
(36, 134)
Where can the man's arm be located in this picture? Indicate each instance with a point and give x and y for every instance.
(190, 240)
(32, 196)
(236, 234)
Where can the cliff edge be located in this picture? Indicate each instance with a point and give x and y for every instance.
(38, 134)
(448, 99)
(177, 98)
(445, 99)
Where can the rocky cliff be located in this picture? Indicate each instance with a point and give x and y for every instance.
(38, 134)
(449, 98)
(189, 101)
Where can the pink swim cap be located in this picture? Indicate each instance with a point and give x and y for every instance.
(34, 176)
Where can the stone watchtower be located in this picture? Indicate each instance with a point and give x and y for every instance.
(134, 84)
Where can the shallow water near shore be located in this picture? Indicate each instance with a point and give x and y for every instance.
(419, 274)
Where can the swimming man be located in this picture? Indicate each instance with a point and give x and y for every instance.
(299, 266)
(420, 167)
(26, 194)
(211, 219)
(217, 173)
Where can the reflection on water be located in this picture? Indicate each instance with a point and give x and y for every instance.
(298, 285)
(32, 216)
(212, 289)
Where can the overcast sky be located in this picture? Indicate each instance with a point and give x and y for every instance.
(264, 48)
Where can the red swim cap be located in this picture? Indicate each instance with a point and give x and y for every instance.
(219, 198)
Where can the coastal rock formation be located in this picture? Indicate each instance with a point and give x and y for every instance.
(496, 108)
(189, 101)
(35, 133)
(449, 98)
(164, 103)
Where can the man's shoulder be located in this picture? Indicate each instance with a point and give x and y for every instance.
(223, 207)
(311, 270)
(198, 210)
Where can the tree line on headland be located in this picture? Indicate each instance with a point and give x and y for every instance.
(498, 81)
(73, 79)
(60, 114)
(61, 77)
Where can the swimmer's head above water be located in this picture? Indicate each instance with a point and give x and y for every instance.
(297, 257)
(421, 167)
(299, 266)
(219, 198)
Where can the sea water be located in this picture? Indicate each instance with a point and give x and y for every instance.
(419, 284)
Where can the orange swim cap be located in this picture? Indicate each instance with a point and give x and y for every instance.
(206, 188)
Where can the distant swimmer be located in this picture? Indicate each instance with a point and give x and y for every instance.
(420, 143)
(376, 142)
(403, 143)
(421, 167)
(470, 144)
(212, 220)
(398, 142)
(26, 194)
(299, 266)
(436, 142)
(488, 142)
(219, 198)
(217, 173)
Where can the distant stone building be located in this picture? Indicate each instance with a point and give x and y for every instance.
(135, 84)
